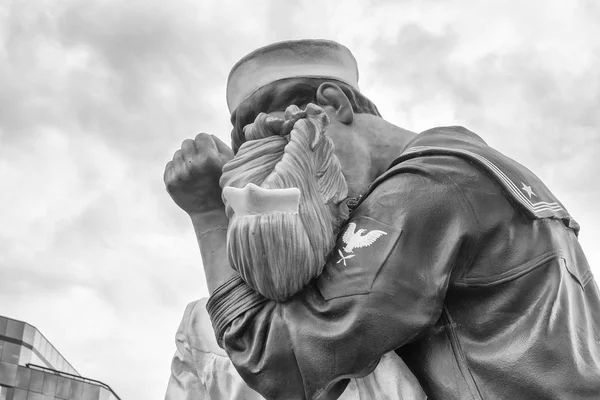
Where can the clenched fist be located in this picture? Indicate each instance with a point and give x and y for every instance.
(192, 178)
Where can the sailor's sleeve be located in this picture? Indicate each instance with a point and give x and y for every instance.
(374, 295)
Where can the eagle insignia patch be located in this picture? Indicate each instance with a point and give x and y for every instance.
(354, 239)
(362, 249)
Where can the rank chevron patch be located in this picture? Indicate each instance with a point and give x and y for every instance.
(361, 250)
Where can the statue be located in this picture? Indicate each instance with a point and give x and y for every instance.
(278, 234)
(473, 273)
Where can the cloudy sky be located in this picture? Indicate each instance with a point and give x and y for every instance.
(95, 96)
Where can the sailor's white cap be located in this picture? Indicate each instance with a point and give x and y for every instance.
(290, 59)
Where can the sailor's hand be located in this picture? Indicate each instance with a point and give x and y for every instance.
(192, 177)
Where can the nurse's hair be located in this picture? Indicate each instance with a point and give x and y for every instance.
(283, 194)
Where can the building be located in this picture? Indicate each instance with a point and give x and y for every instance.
(32, 369)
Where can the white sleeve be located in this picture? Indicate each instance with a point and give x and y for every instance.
(184, 383)
(200, 369)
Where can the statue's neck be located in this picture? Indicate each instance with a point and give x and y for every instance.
(387, 142)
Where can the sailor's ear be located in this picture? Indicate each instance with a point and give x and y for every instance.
(335, 102)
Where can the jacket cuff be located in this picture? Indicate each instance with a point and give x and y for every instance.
(228, 302)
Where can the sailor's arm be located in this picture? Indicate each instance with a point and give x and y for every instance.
(384, 296)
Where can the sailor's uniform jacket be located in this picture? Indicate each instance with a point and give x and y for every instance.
(478, 281)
